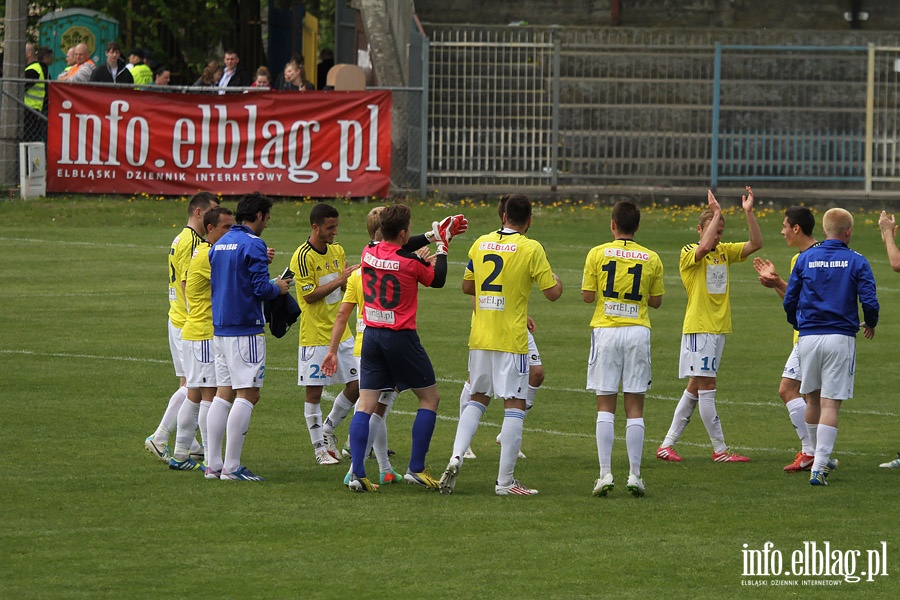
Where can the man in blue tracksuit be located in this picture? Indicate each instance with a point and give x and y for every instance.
(239, 281)
(821, 303)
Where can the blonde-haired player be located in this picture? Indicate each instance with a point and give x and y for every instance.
(704, 268)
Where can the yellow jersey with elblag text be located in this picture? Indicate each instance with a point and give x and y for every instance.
(198, 294)
(313, 269)
(707, 284)
(624, 274)
(503, 266)
(354, 295)
(180, 254)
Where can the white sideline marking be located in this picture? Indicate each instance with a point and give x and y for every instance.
(439, 379)
(67, 243)
(328, 396)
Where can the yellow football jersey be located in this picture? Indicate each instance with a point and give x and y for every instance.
(503, 265)
(625, 274)
(312, 269)
(354, 295)
(180, 254)
(197, 292)
(707, 284)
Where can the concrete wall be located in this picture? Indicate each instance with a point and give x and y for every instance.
(884, 15)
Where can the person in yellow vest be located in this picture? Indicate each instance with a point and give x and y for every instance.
(35, 96)
(140, 72)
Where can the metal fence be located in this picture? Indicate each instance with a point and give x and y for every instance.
(571, 108)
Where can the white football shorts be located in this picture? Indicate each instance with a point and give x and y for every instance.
(199, 363)
(792, 366)
(828, 364)
(498, 374)
(619, 355)
(309, 365)
(176, 349)
(534, 357)
(701, 354)
(240, 361)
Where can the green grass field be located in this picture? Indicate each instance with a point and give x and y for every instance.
(88, 513)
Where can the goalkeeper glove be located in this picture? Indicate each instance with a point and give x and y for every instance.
(448, 228)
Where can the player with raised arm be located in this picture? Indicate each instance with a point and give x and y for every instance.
(888, 227)
(797, 230)
(197, 341)
(503, 266)
(320, 275)
(704, 268)
(392, 355)
(822, 302)
(353, 300)
(239, 282)
(180, 253)
(629, 279)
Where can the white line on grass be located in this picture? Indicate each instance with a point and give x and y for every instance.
(552, 432)
(439, 379)
(67, 243)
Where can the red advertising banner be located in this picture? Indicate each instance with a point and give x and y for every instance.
(110, 140)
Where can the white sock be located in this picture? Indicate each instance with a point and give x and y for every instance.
(378, 441)
(634, 444)
(216, 422)
(468, 425)
(510, 444)
(711, 420)
(465, 396)
(186, 429)
(530, 394)
(313, 413)
(339, 410)
(681, 418)
(606, 432)
(236, 431)
(824, 447)
(812, 432)
(169, 421)
(797, 412)
(201, 419)
(387, 398)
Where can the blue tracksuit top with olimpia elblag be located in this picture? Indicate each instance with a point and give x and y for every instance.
(821, 295)
(239, 279)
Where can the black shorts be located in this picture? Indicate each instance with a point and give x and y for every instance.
(394, 359)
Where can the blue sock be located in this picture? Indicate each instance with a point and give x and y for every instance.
(359, 438)
(423, 428)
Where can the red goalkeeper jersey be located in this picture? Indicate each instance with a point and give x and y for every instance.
(390, 283)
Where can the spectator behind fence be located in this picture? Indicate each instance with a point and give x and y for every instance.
(280, 84)
(70, 59)
(234, 75)
(326, 61)
(295, 78)
(263, 78)
(35, 97)
(210, 75)
(83, 68)
(140, 71)
(114, 69)
(162, 75)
